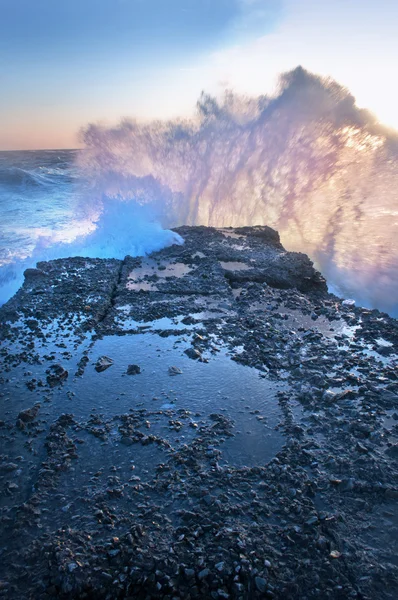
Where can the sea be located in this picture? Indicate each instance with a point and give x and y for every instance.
(39, 196)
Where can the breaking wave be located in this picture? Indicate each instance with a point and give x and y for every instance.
(307, 162)
(15, 176)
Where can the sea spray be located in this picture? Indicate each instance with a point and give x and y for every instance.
(307, 162)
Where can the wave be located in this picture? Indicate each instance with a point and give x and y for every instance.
(120, 229)
(16, 177)
(307, 162)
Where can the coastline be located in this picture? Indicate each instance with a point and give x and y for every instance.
(116, 490)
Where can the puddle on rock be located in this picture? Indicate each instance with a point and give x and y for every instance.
(150, 267)
(163, 323)
(138, 278)
(295, 319)
(141, 286)
(231, 234)
(219, 386)
(234, 266)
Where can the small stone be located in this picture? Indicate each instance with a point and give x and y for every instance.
(7, 467)
(12, 487)
(103, 363)
(267, 564)
(329, 396)
(133, 370)
(392, 451)
(28, 415)
(261, 584)
(203, 574)
(190, 573)
(126, 441)
(361, 448)
(56, 374)
(175, 371)
(20, 424)
(193, 353)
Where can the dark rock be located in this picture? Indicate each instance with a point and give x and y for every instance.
(56, 374)
(193, 353)
(28, 415)
(103, 363)
(392, 451)
(261, 584)
(34, 274)
(175, 371)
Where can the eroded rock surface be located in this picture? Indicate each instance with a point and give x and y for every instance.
(265, 469)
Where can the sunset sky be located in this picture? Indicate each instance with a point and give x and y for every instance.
(65, 63)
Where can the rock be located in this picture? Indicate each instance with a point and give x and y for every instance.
(28, 415)
(203, 574)
(33, 274)
(361, 448)
(193, 353)
(329, 396)
(347, 485)
(267, 564)
(175, 371)
(266, 526)
(261, 584)
(312, 521)
(33, 324)
(126, 441)
(189, 573)
(103, 363)
(20, 424)
(7, 467)
(56, 374)
(392, 451)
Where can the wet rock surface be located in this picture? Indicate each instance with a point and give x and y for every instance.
(181, 426)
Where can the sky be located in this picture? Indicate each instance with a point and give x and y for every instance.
(67, 63)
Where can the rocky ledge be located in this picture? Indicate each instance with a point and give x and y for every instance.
(206, 422)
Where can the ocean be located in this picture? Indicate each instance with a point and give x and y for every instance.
(39, 195)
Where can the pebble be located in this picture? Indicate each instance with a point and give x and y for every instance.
(261, 584)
